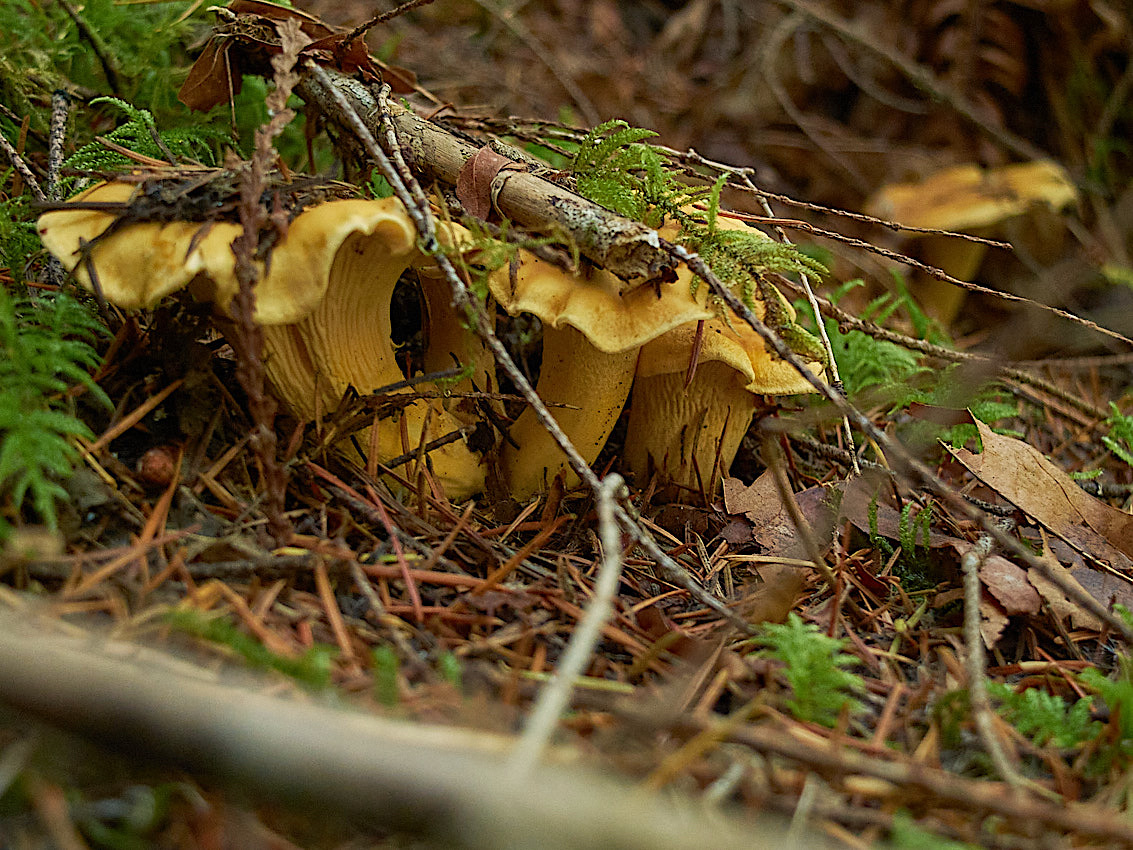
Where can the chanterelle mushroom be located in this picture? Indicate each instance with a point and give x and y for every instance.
(969, 199)
(323, 302)
(691, 434)
(593, 326)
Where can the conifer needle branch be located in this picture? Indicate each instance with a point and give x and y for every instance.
(422, 216)
(553, 699)
(914, 468)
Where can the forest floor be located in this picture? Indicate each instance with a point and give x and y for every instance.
(919, 637)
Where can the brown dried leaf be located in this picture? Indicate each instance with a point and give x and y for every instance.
(311, 25)
(857, 495)
(993, 620)
(214, 77)
(1008, 584)
(474, 183)
(1060, 606)
(771, 524)
(1021, 474)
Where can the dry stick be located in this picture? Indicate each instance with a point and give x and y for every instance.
(849, 321)
(22, 168)
(916, 468)
(625, 247)
(381, 18)
(422, 217)
(553, 699)
(976, 664)
(935, 272)
(423, 780)
(57, 133)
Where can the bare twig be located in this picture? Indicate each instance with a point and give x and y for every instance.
(422, 780)
(381, 18)
(22, 169)
(553, 699)
(248, 338)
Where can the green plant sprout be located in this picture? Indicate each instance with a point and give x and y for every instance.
(1044, 718)
(46, 347)
(312, 669)
(1119, 440)
(813, 665)
(386, 668)
(139, 134)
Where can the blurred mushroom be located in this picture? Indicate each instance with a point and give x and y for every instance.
(969, 199)
(593, 326)
(323, 301)
(691, 434)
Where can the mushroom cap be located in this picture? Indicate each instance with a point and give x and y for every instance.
(614, 315)
(323, 299)
(968, 197)
(737, 346)
(143, 262)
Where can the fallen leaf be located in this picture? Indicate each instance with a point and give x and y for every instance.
(993, 620)
(214, 77)
(1060, 606)
(474, 182)
(1021, 474)
(857, 496)
(1009, 585)
(772, 527)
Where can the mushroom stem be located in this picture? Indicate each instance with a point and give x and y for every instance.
(679, 431)
(450, 342)
(955, 257)
(346, 342)
(685, 431)
(574, 372)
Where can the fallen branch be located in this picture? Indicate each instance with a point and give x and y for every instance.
(625, 247)
(428, 781)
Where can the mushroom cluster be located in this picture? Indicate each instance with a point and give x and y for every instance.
(323, 301)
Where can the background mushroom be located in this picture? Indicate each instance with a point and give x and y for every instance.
(691, 434)
(967, 198)
(323, 300)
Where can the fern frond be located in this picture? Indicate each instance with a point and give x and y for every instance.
(814, 667)
(46, 346)
(139, 134)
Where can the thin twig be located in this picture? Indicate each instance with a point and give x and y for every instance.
(553, 699)
(832, 363)
(22, 168)
(381, 18)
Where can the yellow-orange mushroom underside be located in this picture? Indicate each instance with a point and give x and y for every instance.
(323, 301)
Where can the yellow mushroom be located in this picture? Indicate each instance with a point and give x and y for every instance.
(969, 199)
(593, 326)
(323, 301)
(690, 435)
